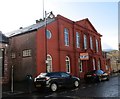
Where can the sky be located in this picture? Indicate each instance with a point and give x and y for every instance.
(103, 15)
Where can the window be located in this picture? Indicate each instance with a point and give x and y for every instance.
(91, 42)
(85, 41)
(49, 63)
(26, 53)
(66, 37)
(77, 40)
(80, 65)
(96, 45)
(67, 64)
(99, 64)
(94, 64)
(65, 75)
(49, 34)
(13, 55)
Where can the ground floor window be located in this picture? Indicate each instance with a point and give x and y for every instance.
(94, 68)
(99, 67)
(49, 63)
(67, 64)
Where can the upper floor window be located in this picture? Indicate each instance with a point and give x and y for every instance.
(26, 53)
(67, 64)
(49, 34)
(91, 42)
(13, 55)
(85, 41)
(77, 40)
(66, 37)
(96, 45)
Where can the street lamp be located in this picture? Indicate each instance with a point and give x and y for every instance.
(47, 15)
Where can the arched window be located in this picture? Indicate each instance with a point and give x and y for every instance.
(49, 63)
(91, 42)
(85, 41)
(67, 64)
(96, 45)
(94, 68)
(99, 64)
(66, 37)
(77, 40)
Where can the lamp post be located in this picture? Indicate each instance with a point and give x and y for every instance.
(47, 15)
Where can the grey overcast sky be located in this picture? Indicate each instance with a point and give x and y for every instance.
(103, 14)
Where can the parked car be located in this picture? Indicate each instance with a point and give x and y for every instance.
(96, 76)
(54, 80)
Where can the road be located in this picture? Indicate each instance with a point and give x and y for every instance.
(100, 90)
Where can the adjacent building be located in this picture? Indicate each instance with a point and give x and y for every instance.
(4, 71)
(60, 45)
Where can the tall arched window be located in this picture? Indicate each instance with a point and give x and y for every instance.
(85, 41)
(96, 45)
(99, 64)
(91, 42)
(66, 37)
(77, 40)
(94, 68)
(49, 63)
(67, 64)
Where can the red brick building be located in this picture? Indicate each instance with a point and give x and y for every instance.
(74, 47)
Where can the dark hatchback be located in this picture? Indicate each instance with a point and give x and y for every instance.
(54, 80)
(96, 76)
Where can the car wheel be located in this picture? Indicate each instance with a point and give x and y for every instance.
(76, 83)
(53, 87)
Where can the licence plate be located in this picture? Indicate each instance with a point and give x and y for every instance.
(38, 85)
(88, 75)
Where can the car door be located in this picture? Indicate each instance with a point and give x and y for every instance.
(67, 79)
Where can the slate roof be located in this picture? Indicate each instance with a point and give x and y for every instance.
(3, 38)
(30, 28)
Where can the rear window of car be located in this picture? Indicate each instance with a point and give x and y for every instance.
(99, 72)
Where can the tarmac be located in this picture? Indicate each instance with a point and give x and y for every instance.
(23, 87)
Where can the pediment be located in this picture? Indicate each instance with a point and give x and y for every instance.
(86, 24)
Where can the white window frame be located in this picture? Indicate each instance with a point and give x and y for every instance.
(13, 55)
(85, 41)
(66, 36)
(94, 67)
(48, 34)
(67, 60)
(77, 40)
(91, 42)
(26, 53)
(49, 63)
(96, 45)
(99, 67)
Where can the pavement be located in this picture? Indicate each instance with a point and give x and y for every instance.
(22, 87)
(18, 88)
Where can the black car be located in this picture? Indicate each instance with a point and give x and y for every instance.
(96, 76)
(54, 80)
